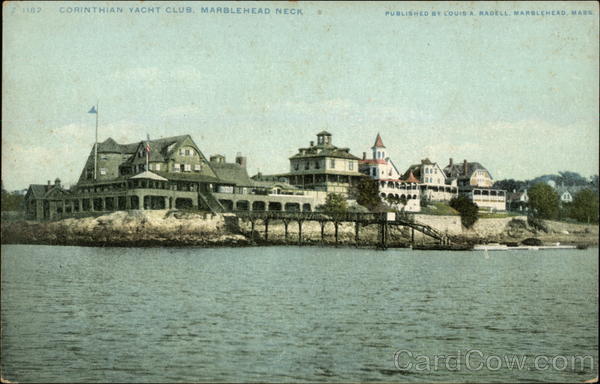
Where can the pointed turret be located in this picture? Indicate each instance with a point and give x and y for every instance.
(378, 142)
(378, 149)
(411, 178)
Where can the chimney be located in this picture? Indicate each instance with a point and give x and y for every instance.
(57, 182)
(451, 162)
(49, 183)
(241, 160)
(465, 166)
(364, 155)
(312, 143)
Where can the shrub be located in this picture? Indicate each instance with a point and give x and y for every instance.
(469, 211)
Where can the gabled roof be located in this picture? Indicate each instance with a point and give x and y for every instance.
(458, 169)
(378, 142)
(323, 133)
(111, 146)
(38, 190)
(160, 149)
(41, 191)
(231, 173)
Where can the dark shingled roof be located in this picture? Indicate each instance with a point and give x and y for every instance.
(324, 151)
(186, 176)
(159, 148)
(457, 169)
(231, 173)
(111, 146)
(38, 190)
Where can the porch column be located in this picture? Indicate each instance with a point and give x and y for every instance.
(103, 200)
(141, 201)
(72, 206)
(80, 205)
(167, 202)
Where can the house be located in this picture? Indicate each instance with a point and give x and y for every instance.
(403, 194)
(518, 201)
(324, 167)
(566, 194)
(475, 181)
(434, 184)
(165, 173)
(46, 201)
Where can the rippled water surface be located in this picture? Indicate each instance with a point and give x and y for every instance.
(293, 314)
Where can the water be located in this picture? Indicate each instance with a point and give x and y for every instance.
(74, 314)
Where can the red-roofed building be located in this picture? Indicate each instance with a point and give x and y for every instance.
(399, 193)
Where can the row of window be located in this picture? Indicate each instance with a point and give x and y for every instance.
(429, 170)
(186, 167)
(430, 180)
(317, 165)
(187, 152)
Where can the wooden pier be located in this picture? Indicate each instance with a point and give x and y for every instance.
(384, 220)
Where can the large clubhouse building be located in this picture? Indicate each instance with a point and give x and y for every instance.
(165, 173)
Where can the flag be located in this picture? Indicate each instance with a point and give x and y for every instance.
(93, 110)
(148, 147)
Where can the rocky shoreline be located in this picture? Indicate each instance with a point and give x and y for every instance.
(174, 228)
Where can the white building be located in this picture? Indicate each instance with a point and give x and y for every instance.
(402, 194)
(434, 184)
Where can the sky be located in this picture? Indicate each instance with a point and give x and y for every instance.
(517, 93)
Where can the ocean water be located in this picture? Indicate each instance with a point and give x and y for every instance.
(297, 314)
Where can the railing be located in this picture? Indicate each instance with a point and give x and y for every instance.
(401, 218)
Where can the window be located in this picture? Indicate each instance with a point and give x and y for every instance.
(317, 166)
(374, 171)
(157, 167)
(103, 171)
(176, 167)
(187, 152)
(197, 167)
(296, 166)
(306, 165)
(332, 163)
(187, 167)
(435, 170)
(104, 157)
(351, 165)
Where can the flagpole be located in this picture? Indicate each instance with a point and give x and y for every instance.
(96, 146)
(146, 149)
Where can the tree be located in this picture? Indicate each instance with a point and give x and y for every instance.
(571, 178)
(11, 201)
(335, 203)
(543, 201)
(585, 206)
(510, 185)
(366, 193)
(469, 211)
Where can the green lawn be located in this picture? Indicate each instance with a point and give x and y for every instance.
(439, 208)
